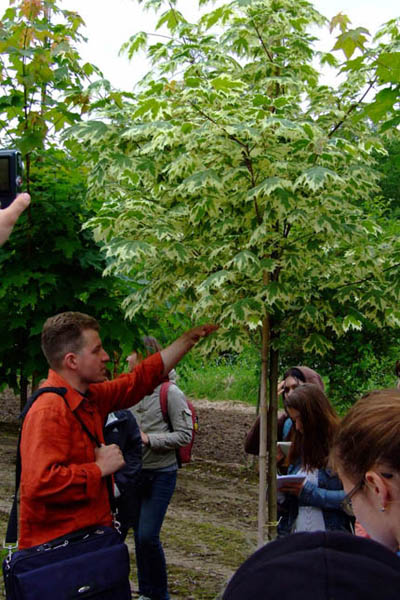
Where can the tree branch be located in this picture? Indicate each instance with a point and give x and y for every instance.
(352, 107)
(249, 166)
(339, 287)
(230, 136)
(267, 52)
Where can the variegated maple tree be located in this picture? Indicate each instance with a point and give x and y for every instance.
(236, 185)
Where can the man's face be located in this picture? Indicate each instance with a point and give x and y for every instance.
(92, 359)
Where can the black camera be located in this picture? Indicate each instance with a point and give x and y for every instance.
(10, 176)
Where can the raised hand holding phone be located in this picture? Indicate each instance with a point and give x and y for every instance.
(9, 215)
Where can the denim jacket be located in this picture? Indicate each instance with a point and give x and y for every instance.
(327, 496)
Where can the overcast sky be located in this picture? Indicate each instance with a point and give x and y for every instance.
(110, 24)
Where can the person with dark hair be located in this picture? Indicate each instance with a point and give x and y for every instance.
(292, 378)
(64, 469)
(366, 454)
(314, 503)
(324, 565)
(295, 376)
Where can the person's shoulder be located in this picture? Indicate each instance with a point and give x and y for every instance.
(125, 414)
(329, 478)
(47, 401)
(175, 392)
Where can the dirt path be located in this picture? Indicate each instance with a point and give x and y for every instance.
(211, 523)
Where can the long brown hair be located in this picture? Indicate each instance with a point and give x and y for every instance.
(320, 423)
(369, 434)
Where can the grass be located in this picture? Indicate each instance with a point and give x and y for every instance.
(209, 530)
(236, 377)
(231, 377)
(205, 539)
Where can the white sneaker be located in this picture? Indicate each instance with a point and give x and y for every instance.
(144, 598)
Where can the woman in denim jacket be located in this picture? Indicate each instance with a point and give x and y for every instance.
(314, 503)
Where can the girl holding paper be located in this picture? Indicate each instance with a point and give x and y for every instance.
(314, 503)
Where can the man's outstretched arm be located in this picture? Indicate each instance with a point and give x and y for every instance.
(173, 353)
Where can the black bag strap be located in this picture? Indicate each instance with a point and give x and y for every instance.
(109, 481)
(61, 391)
(12, 528)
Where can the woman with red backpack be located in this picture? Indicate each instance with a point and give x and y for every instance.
(160, 440)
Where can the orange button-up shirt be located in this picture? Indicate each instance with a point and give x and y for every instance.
(62, 489)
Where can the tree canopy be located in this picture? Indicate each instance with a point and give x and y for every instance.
(237, 184)
(50, 264)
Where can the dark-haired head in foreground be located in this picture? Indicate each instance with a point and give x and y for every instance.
(318, 566)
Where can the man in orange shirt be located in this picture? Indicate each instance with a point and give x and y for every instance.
(63, 479)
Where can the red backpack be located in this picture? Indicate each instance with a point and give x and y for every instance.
(183, 453)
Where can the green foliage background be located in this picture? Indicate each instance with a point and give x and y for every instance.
(232, 185)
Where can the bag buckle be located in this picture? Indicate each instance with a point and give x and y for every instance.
(116, 523)
(10, 546)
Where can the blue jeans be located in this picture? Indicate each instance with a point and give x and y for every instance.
(154, 495)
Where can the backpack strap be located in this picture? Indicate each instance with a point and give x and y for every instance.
(61, 391)
(164, 409)
(109, 479)
(164, 402)
(12, 528)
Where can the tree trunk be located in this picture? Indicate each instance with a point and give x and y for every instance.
(23, 391)
(272, 420)
(35, 380)
(262, 463)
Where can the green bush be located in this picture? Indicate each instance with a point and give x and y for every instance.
(229, 377)
(360, 361)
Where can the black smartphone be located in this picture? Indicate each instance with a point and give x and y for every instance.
(10, 176)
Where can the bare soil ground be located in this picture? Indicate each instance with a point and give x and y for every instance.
(211, 524)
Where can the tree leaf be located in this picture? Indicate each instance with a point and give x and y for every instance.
(383, 103)
(317, 177)
(350, 40)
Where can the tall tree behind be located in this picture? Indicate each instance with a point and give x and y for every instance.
(236, 184)
(50, 264)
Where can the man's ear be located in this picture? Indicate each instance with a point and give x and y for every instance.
(380, 488)
(70, 361)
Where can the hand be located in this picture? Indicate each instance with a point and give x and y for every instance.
(292, 488)
(279, 455)
(193, 335)
(9, 215)
(281, 387)
(145, 438)
(109, 459)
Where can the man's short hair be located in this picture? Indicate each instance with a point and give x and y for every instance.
(63, 333)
